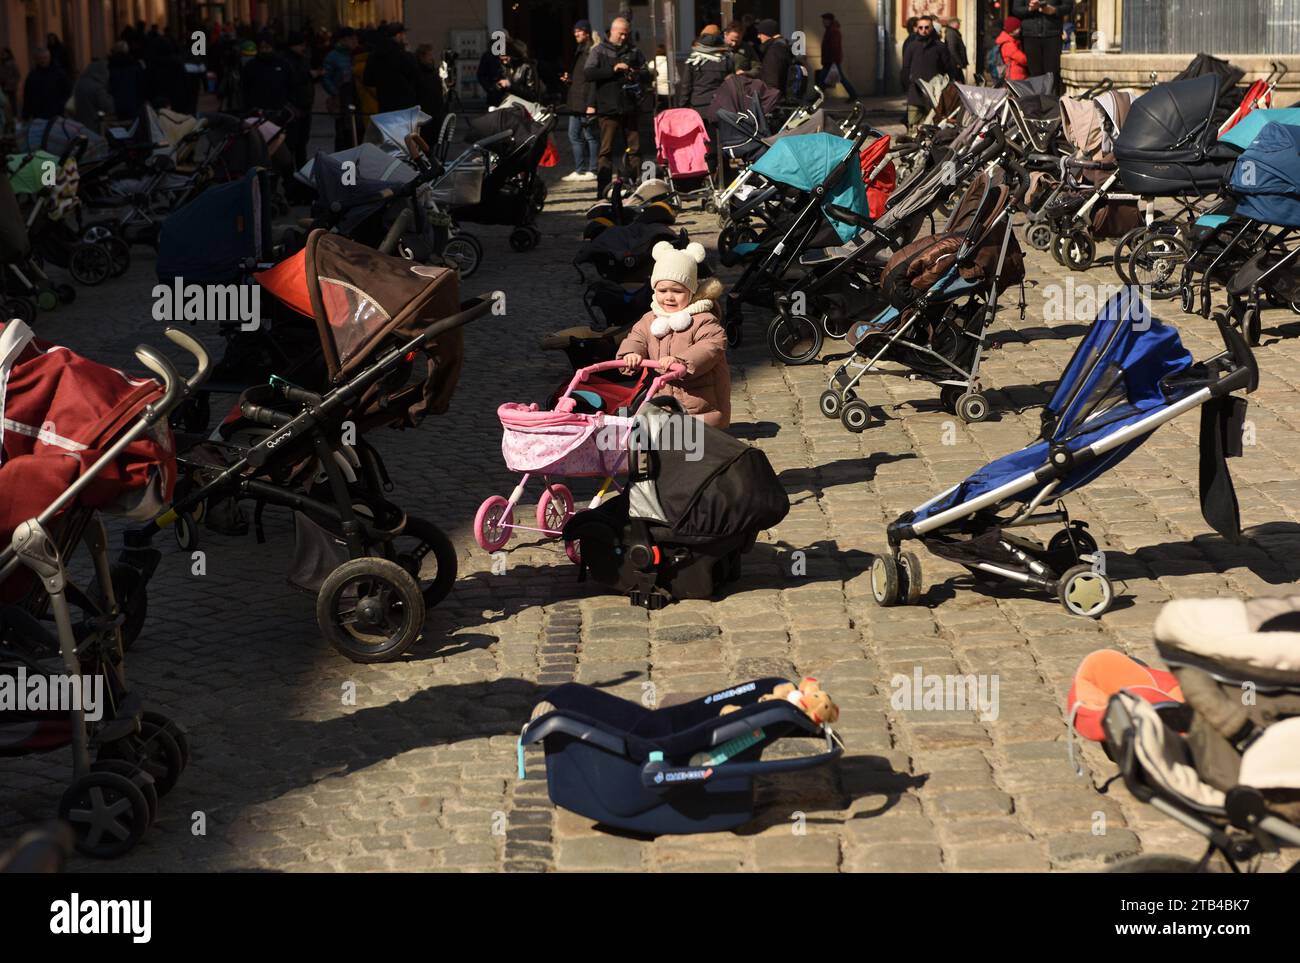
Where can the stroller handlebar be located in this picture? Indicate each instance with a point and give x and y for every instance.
(200, 354)
(164, 369)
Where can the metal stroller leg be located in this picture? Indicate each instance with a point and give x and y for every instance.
(38, 552)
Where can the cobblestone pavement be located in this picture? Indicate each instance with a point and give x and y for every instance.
(419, 773)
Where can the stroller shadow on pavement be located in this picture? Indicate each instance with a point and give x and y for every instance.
(842, 471)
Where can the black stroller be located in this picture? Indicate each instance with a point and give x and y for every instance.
(512, 192)
(389, 353)
(695, 502)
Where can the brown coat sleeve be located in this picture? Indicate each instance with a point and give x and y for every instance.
(638, 339)
(708, 347)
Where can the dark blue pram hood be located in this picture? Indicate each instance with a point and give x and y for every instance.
(1114, 379)
(207, 240)
(806, 160)
(1267, 176)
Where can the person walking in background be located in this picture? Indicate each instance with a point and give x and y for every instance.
(10, 80)
(302, 86)
(46, 89)
(616, 69)
(92, 99)
(952, 39)
(1014, 61)
(1041, 34)
(266, 79)
(924, 59)
(583, 136)
(911, 37)
(833, 55)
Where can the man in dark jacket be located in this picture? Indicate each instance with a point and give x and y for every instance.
(617, 72)
(1040, 34)
(125, 81)
(392, 71)
(952, 39)
(46, 90)
(707, 66)
(266, 79)
(431, 100)
(833, 55)
(776, 55)
(583, 126)
(923, 59)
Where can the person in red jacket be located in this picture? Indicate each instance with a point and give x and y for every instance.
(1013, 55)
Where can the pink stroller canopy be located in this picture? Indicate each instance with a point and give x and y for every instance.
(562, 443)
(682, 142)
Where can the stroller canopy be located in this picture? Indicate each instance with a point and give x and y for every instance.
(727, 489)
(56, 134)
(1040, 86)
(737, 92)
(807, 161)
(208, 240)
(1171, 117)
(1267, 177)
(682, 141)
(389, 131)
(365, 302)
(814, 123)
(88, 404)
(374, 171)
(1247, 129)
(513, 119)
(1114, 379)
(980, 102)
(375, 168)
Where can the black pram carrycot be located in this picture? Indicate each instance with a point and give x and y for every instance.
(629, 767)
(696, 500)
(1168, 145)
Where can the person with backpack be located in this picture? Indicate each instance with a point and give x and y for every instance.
(923, 59)
(1043, 20)
(1015, 64)
(709, 64)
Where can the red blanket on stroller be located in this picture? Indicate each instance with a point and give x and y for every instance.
(59, 412)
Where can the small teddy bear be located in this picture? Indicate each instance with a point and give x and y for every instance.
(808, 696)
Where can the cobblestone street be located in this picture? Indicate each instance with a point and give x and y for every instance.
(419, 774)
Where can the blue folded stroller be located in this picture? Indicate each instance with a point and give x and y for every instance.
(680, 769)
(1129, 376)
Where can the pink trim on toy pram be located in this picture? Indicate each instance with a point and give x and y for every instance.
(557, 443)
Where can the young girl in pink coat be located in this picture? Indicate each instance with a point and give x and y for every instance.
(683, 326)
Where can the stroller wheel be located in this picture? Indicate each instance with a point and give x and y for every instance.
(19, 308)
(66, 293)
(90, 264)
(493, 524)
(972, 407)
(138, 775)
(909, 577)
(1251, 326)
(186, 532)
(370, 609)
(1078, 251)
(174, 729)
(523, 239)
(464, 253)
(108, 812)
(47, 300)
(1038, 236)
(1058, 245)
(425, 551)
(830, 403)
(119, 254)
(97, 233)
(735, 334)
(154, 750)
(794, 340)
(1156, 265)
(948, 395)
(554, 508)
(884, 580)
(1069, 546)
(856, 416)
(573, 549)
(1085, 592)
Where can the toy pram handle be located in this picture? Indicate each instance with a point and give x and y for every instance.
(661, 777)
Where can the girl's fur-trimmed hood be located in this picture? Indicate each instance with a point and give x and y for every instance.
(706, 300)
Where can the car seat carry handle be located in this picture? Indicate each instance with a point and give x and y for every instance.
(655, 774)
(558, 723)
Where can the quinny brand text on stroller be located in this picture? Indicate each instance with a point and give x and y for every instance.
(59, 693)
(179, 301)
(115, 916)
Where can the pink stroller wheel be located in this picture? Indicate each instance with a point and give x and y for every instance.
(573, 549)
(554, 508)
(493, 524)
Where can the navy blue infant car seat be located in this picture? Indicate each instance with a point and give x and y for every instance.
(629, 767)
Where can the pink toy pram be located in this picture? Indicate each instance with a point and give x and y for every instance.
(681, 148)
(563, 443)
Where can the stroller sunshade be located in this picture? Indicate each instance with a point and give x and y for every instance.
(806, 161)
(207, 240)
(1247, 129)
(1267, 177)
(1172, 117)
(389, 130)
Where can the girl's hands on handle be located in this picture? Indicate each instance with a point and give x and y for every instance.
(631, 362)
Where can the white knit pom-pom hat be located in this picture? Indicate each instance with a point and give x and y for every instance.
(680, 266)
